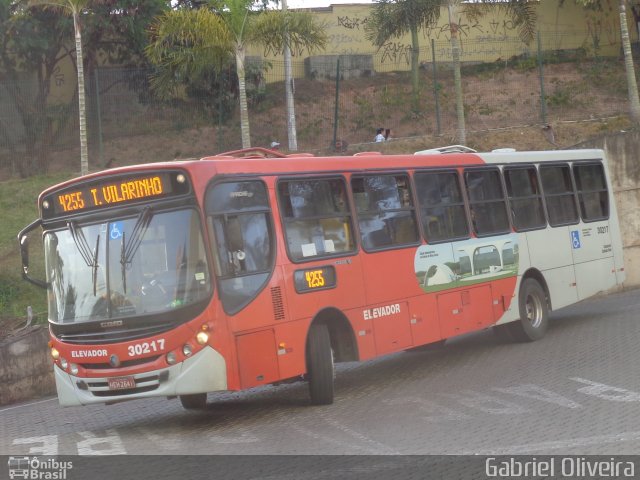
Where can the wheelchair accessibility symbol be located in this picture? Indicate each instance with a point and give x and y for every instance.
(115, 230)
(575, 238)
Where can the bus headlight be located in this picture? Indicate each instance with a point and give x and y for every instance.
(202, 338)
(63, 363)
(171, 358)
(187, 350)
(55, 354)
(73, 369)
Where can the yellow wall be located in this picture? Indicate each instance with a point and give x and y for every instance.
(492, 38)
(63, 82)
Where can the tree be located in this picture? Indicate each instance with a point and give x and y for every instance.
(523, 15)
(394, 18)
(288, 89)
(186, 42)
(283, 32)
(34, 41)
(30, 42)
(632, 85)
(75, 8)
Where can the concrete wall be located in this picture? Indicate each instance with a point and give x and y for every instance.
(490, 38)
(26, 369)
(624, 168)
(351, 66)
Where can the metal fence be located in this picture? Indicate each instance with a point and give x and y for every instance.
(344, 98)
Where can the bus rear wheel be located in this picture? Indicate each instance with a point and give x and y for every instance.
(320, 368)
(194, 401)
(534, 313)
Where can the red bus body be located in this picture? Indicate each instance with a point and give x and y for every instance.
(378, 302)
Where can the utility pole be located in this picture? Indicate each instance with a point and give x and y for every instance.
(289, 88)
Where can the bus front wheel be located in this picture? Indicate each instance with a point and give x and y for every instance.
(534, 313)
(320, 365)
(194, 401)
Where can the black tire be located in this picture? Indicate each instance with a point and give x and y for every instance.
(194, 401)
(534, 313)
(320, 369)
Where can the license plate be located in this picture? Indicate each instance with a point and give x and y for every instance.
(121, 383)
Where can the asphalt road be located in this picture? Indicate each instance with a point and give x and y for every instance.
(576, 391)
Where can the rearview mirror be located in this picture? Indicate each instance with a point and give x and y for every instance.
(23, 240)
(24, 252)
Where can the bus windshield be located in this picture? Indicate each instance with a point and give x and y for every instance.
(127, 267)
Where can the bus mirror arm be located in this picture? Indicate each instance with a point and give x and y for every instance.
(23, 240)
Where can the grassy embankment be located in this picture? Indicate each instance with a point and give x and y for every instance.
(18, 206)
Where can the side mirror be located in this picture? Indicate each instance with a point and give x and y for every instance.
(24, 252)
(23, 240)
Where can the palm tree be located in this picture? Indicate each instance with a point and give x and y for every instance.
(523, 15)
(632, 86)
(75, 8)
(185, 42)
(288, 89)
(394, 19)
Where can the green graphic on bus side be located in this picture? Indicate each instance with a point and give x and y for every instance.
(477, 260)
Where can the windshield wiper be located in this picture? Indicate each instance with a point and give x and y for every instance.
(81, 243)
(95, 265)
(129, 249)
(123, 265)
(90, 258)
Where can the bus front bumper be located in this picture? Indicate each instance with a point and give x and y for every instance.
(206, 371)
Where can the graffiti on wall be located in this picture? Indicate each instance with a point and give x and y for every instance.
(269, 52)
(494, 30)
(599, 31)
(395, 52)
(351, 23)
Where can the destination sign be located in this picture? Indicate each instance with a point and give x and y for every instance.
(315, 279)
(107, 192)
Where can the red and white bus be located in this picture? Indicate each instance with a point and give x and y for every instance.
(254, 267)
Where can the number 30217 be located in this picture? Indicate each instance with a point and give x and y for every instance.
(604, 229)
(146, 347)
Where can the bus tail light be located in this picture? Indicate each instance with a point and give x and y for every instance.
(202, 338)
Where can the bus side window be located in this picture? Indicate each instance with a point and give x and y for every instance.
(316, 217)
(592, 191)
(486, 201)
(239, 219)
(559, 194)
(525, 198)
(386, 216)
(441, 206)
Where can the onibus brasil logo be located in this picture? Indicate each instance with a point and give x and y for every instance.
(38, 468)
